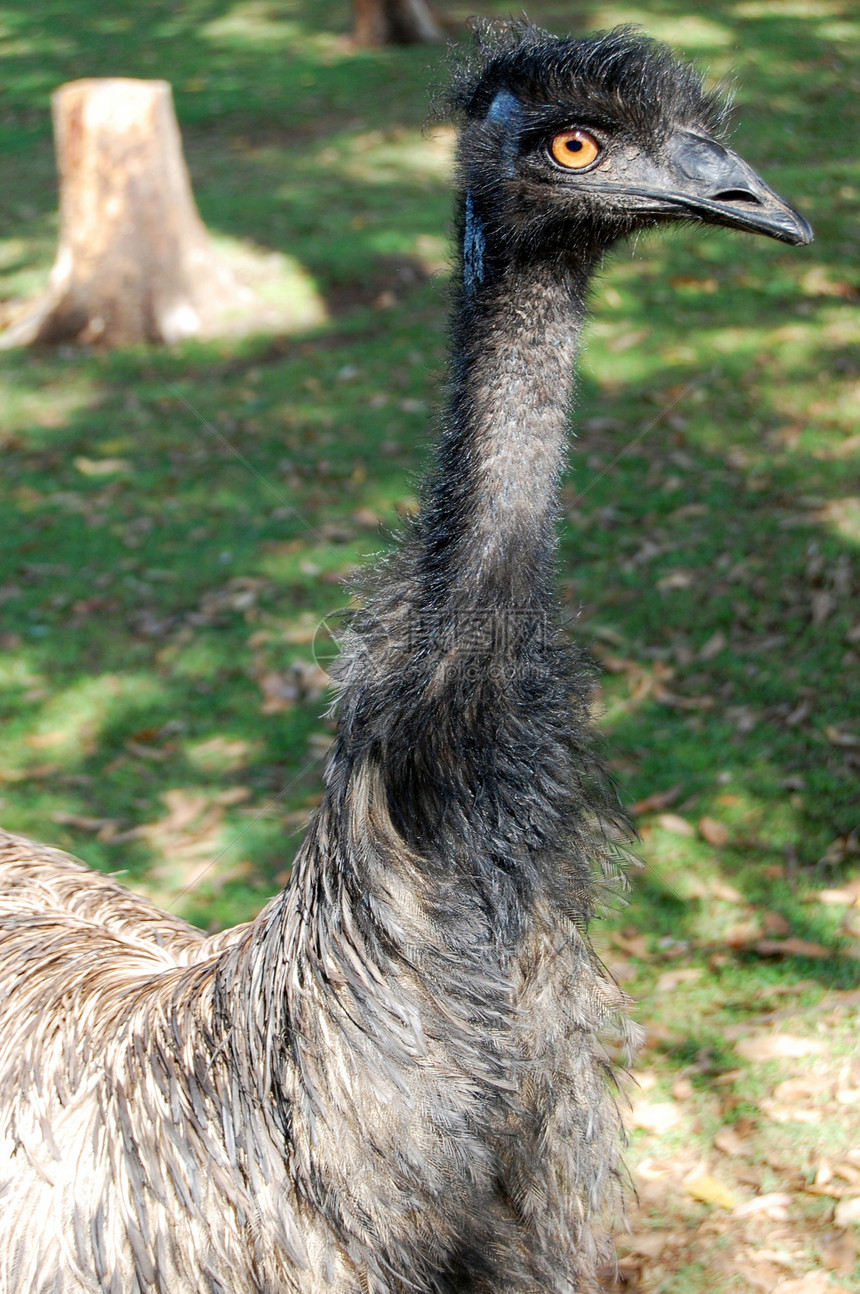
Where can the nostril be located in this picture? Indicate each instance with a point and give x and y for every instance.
(737, 195)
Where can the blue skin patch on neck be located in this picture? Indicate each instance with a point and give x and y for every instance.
(505, 111)
(473, 248)
(505, 108)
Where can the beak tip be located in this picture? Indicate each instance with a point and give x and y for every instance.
(807, 233)
(797, 230)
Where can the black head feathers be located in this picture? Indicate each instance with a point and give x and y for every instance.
(621, 75)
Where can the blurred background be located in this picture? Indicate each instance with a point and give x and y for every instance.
(176, 524)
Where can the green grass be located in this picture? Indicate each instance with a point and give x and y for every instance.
(175, 521)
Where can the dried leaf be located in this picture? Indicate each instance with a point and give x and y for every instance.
(715, 833)
(83, 823)
(43, 740)
(648, 1244)
(847, 894)
(727, 893)
(157, 754)
(701, 1186)
(657, 800)
(823, 605)
(35, 773)
(729, 1142)
(851, 922)
(791, 948)
(675, 823)
(811, 1283)
(777, 1200)
(679, 579)
(839, 737)
(715, 644)
(841, 1254)
(847, 1211)
(101, 466)
(684, 975)
(635, 945)
(741, 934)
(798, 1089)
(655, 1116)
(777, 1046)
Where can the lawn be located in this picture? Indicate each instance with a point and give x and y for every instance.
(177, 526)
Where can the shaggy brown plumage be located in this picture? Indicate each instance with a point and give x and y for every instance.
(393, 1079)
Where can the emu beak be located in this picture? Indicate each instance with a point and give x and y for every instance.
(707, 181)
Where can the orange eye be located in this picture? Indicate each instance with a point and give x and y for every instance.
(574, 149)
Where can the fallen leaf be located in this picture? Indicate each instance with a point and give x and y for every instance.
(35, 773)
(800, 1089)
(811, 1283)
(101, 466)
(715, 644)
(845, 894)
(657, 800)
(847, 1211)
(701, 1186)
(367, 518)
(775, 924)
(627, 339)
(777, 1046)
(841, 1254)
(764, 1275)
(777, 1256)
(157, 754)
(43, 740)
(635, 945)
(741, 934)
(648, 1244)
(729, 1142)
(655, 1116)
(678, 579)
(233, 795)
(675, 823)
(685, 975)
(791, 948)
(851, 922)
(100, 826)
(763, 1204)
(823, 605)
(841, 849)
(838, 736)
(713, 832)
(727, 893)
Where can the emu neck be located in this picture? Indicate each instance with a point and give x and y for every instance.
(488, 528)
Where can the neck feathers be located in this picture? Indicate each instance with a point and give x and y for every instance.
(456, 681)
(488, 527)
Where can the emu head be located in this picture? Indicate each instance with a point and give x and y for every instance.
(568, 145)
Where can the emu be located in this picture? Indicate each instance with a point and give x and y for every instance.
(395, 1078)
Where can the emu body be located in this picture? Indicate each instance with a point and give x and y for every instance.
(393, 1079)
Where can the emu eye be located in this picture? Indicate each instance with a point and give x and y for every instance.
(574, 149)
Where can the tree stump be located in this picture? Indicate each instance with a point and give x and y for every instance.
(134, 261)
(396, 22)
